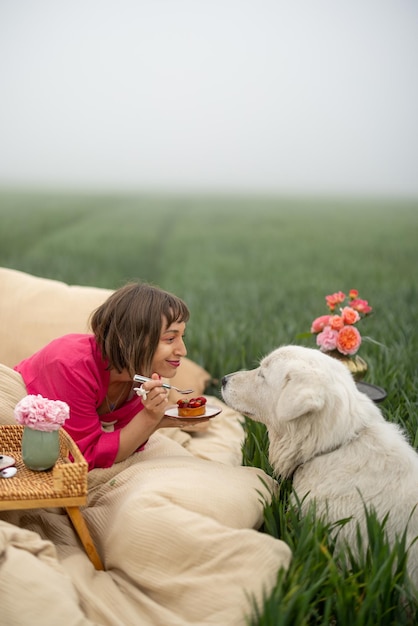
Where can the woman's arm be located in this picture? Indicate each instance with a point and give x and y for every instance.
(147, 421)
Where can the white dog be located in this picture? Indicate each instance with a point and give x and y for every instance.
(333, 440)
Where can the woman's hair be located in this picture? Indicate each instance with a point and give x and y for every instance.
(128, 325)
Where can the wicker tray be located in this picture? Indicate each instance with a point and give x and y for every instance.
(66, 480)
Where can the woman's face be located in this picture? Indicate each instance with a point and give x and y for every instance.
(170, 349)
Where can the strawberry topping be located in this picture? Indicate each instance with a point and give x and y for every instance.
(193, 403)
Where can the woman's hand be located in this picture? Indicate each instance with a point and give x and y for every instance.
(146, 422)
(155, 399)
(151, 418)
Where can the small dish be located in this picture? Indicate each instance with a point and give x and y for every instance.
(375, 393)
(211, 411)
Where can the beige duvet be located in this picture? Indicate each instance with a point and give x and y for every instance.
(176, 528)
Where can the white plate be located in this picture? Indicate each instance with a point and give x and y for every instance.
(6, 461)
(211, 411)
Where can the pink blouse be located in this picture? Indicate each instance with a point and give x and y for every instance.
(71, 369)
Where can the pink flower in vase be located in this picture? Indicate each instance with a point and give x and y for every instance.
(40, 413)
(362, 306)
(327, 339)
(319, 323)
(349, 315)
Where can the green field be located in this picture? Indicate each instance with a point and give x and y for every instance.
(255, 271)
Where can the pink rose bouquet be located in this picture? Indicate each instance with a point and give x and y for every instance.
(336, 331)
(40, 413)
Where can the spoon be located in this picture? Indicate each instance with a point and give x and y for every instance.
(8, 472)
(144, 379)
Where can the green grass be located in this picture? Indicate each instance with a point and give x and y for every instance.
(254, 271)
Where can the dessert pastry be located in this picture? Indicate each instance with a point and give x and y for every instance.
(194, 407)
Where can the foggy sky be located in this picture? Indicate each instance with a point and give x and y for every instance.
(264, 95)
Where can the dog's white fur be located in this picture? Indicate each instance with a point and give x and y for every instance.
(333, 440)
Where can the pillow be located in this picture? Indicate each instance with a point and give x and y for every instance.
(33, 311)
(12, 389)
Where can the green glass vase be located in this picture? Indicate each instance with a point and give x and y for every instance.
(40, 449)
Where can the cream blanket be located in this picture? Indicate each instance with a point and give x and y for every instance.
(176, 528)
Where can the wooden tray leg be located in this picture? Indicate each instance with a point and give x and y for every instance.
(80, 526)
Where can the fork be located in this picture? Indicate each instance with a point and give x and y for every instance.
(144, 379)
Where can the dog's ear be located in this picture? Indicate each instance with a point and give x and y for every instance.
(303, 393)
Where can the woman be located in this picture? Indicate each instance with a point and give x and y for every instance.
(139, 329)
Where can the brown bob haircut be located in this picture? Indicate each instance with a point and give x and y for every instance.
(128, 325)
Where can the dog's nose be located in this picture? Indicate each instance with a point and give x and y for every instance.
(225, 379)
